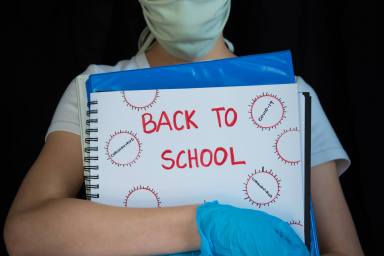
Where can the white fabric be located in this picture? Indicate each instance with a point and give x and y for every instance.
(325, 144)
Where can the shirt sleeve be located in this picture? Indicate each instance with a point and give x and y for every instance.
(325, 145)
(66, 116)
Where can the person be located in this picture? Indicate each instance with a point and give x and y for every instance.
(46, 218)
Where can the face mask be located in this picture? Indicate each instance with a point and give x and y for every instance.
(187, 29)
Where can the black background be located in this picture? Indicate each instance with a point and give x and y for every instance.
(333, 45)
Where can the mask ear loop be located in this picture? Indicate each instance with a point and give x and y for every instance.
(146, 40)
(229, 45)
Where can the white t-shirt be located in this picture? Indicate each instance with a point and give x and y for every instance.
(325, 146)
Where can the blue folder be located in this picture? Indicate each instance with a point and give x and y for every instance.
(259, 69)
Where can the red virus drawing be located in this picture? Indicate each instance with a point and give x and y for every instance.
(287, 145)
(267, 111)
(140, 100)
(262, 188)
(142, 196)
(123, 148)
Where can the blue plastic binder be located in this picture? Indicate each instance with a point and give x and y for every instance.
(260, 69)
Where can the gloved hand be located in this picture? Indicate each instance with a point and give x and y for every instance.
(228, 230)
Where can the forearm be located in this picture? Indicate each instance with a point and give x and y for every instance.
(78, 227)
(335, 227)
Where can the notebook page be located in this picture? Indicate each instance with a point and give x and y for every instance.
(239, 145)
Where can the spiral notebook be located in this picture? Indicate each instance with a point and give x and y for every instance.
(234, 130)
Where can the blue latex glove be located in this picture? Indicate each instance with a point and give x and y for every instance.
(228, 230)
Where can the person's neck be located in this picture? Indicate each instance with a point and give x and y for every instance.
(158, 56)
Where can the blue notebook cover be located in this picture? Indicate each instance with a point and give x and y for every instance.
(259, 69)
(269, 68)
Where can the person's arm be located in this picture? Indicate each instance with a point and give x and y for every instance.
(336, 231)
(47, 219)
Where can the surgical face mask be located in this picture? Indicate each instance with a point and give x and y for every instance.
(187, 29)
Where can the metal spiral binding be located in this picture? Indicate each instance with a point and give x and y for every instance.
(91, 153)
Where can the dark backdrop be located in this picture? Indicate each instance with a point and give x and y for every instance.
(333, 45)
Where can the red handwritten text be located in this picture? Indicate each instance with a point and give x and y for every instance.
(192, 158)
